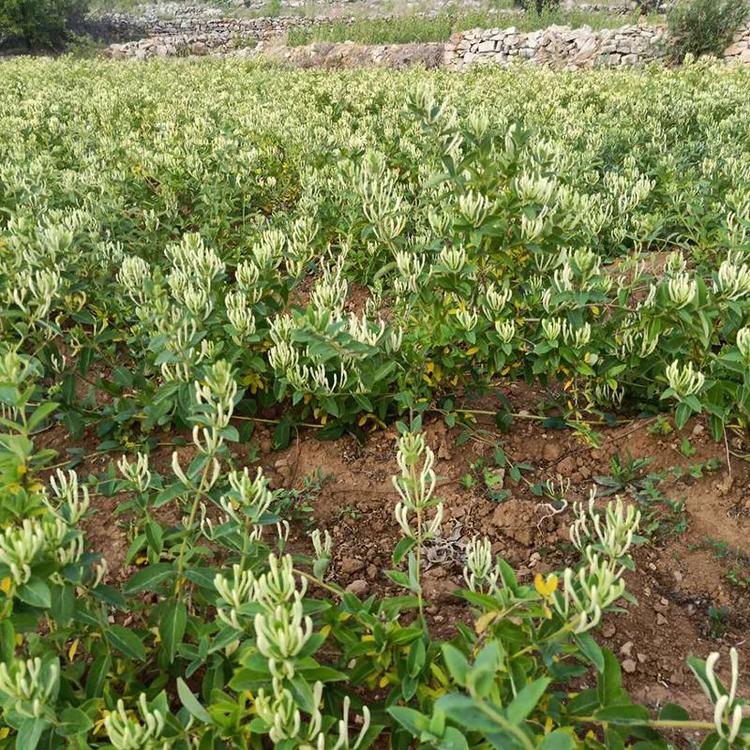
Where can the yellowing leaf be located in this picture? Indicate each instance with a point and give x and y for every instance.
(440, 676)
(484, 622)
(72, 650)
(5, 584)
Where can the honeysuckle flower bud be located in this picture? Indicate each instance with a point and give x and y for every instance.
(281, 633)
(363, 330)
(240, 316)
(534, 189)
(331, 290)
(728, 713)
(35, 292)
(587, 594)
(743, 344)
(495, 300)
(137, 473)
(612, 533)
(283, 357)
(576, 336)
(650, 299)
(247, 275)
(322, 546)
(454, 259)
(440, 223)
(29, 684)
(249, 497)
(474, 208)
(235, 592)
(76, 499)
(200, 262)
(683, 379)
(552, 328)
(682, 289)
(675, 264)
(506, 330)
(481, 573)
(134, 275)
(531, 229)
(467, 318)
(101, 571)
(732, 280)
(126, 732)
(642, 343)
(19, 546)
(415, 485)
(563, 279)
(280, 714)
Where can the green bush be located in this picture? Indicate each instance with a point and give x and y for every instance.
(538, 5)
(705, 27)
(38, 23)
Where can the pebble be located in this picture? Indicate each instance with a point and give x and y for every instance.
(608, 630)
(629, 666)
(359, 588)
(551, 451)
(351, 565)
(626, 648)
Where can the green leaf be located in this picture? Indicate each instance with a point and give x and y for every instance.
(126, 641)
(29, 733)
(557, 740)
(400, 550)
(466, 712)
(73, 721)
(525, 702)
(609, 685)
(35, 593)
(191, 703)
(416, 658)
(148, 579)
(172, 627)
(412, 720)
(590, 648)
(97, 677)
(673, 712)
(40, 414)
(456, 662)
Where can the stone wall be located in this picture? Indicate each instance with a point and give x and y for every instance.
(211, 36)
(739, 51)
(558, 46)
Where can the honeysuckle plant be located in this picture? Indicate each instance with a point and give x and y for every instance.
(215, 640)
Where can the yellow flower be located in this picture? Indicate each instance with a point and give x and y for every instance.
(546, 587)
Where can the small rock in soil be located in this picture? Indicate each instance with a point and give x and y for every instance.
(551, 451)
(359, 587)
(629, 666)
(351, 565)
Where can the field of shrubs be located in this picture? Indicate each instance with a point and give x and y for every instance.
(197, 251)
